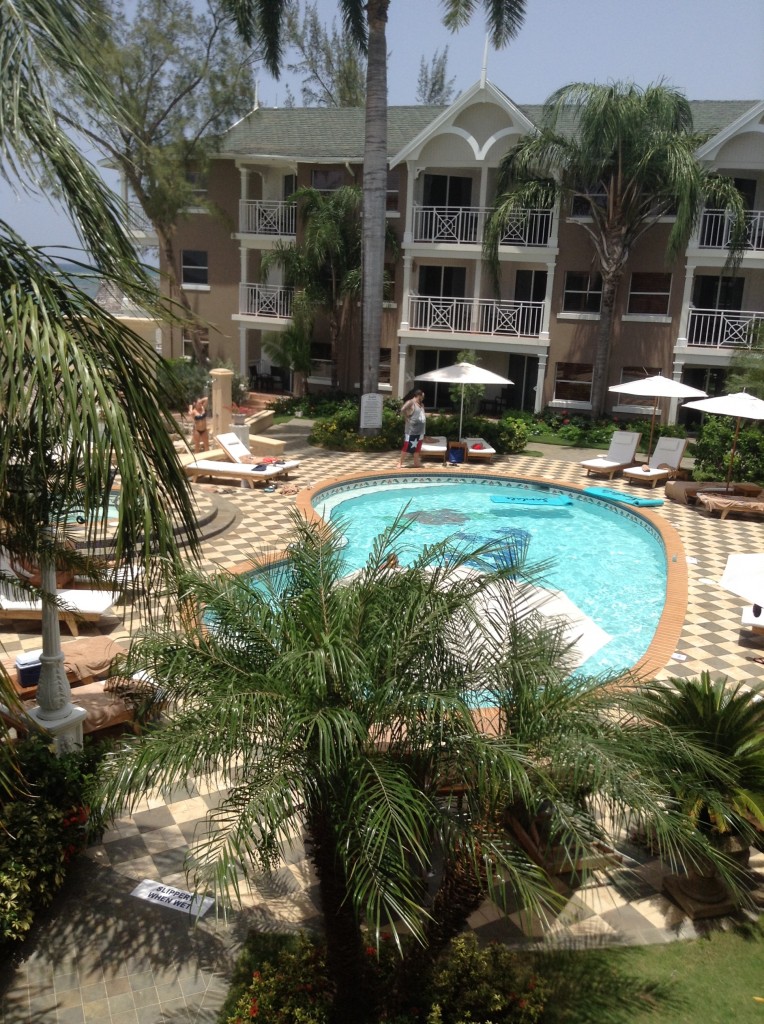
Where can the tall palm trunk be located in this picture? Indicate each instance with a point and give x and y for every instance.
(611, 279)
(374, 194)
(344, 950)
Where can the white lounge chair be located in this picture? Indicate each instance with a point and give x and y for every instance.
(243, 465)
(662, 464)
(434, 447)
(620, 455)
(249, 475)
(478, 449)
(75, 606)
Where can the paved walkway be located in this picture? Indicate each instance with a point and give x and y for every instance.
(103, 955)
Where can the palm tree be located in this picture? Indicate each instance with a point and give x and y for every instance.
(628, 160)
(366, 22)
(727, 799)
(78, 391)
(345, 709)
(326, 264)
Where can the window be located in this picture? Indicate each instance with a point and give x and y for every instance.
(385, 359)
(198, 182)
(581, 204)
(193, 268)
(188, 345)
(649, 294)
(327, 181)
(289, 186)
(631, 373)
(389, 292)
(573, 382)
(393, 188)
(583, 293)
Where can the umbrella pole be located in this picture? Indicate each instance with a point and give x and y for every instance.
(732, 453)
(652, 428)
(461, 414)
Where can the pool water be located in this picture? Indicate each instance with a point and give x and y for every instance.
(608, 561)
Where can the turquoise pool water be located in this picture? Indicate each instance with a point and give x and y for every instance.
(608, 561)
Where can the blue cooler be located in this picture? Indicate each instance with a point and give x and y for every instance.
(28, 668)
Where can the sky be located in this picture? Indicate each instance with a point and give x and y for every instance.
(706, 48)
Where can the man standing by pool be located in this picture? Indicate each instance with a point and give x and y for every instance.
(413, 412)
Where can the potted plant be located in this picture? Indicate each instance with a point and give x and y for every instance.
(238, 415)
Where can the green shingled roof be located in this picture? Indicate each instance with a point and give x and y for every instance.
(313, 134)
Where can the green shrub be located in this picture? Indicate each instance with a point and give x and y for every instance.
(182, 381)
(41, 830)
(287, 984)
(714, 445)
(513, 435)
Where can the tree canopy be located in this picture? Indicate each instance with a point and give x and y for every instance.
(626, 156)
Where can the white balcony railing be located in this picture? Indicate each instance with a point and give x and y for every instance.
(267, 217)
(263, 300)
(722, 328)
(137, 221)
(715, 230)
(475, 316)
(464, 225)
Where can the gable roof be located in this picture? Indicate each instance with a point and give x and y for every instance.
(336, 135)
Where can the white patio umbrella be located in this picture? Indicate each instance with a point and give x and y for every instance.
(656, 388)
(740, 406)
(744, 576)
(463, 373)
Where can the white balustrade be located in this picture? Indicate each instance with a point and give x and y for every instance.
(722, 328)
(464, 225)
(267, 217)
(475, 316)
(265, 300)
(716, 228)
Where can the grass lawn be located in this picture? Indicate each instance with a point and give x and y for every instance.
(706, 981)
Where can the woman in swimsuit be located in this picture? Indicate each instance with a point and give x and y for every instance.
(199, 411)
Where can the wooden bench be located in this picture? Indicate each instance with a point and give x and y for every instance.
(724, 505)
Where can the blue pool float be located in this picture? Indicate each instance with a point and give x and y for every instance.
(532, 500)
(620, 497)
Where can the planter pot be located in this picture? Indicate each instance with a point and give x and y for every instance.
(238, 419)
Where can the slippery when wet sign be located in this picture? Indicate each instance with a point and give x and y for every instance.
(175, 899)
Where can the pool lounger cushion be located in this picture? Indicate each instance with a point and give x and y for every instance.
(626, 499)
(540, 500)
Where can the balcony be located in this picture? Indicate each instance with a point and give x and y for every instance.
(715, 230)
(260, 300)
(139, 227)
(267, 217)
(723, 328)
(475, 316)
(463, 225)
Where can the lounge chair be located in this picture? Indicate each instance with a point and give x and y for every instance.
(434, 447)
(662, 464)
(75, 606)
(478, 449)
(242, 465)
(750, 620)
(724, 504)
(620, 455)
(249, 475)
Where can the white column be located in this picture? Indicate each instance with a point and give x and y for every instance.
(546, 313)
(540, 375)
(55, 711)
(684, 313)
(402, 382)
(221, 400)
(406, 292)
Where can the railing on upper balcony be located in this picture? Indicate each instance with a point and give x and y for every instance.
(265, 300)
(267, 217)
(475, 316)
(137, 221)
(464, 225)
(723, 328)
(716, 228)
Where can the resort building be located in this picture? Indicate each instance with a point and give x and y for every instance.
(684, 320)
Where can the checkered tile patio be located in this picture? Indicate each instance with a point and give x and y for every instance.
(103, 955)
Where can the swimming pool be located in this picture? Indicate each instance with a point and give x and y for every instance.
(610, 562)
